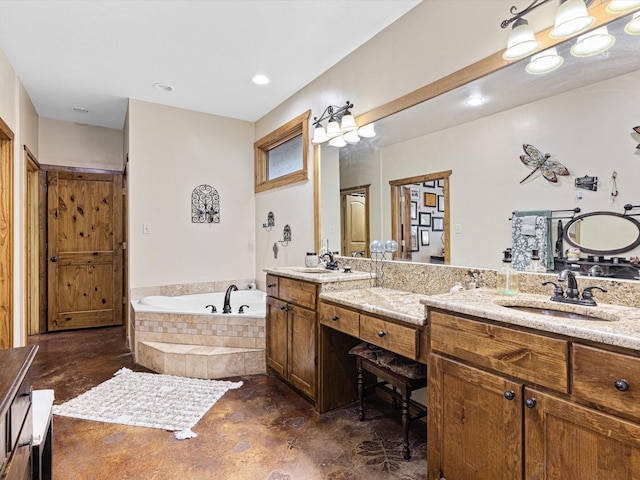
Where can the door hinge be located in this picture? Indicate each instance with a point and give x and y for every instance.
(124, 190)
(401, 199)
(124, 300)
(124, 245)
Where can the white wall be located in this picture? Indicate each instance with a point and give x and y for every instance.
(434, 39)
(589, 130)
(72, 144)
(171, 152)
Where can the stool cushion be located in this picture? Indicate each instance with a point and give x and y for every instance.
(385, 359)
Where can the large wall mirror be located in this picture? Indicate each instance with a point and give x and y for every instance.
(582, 114)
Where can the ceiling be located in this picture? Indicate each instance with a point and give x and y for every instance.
(97, 54)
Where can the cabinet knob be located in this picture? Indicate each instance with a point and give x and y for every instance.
(285, 308)
(54, 259)
(621, 385)
(381, 334)
(509, 394)
(335, 318)
(531, 402)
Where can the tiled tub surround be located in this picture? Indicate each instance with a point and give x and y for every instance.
(199, 346)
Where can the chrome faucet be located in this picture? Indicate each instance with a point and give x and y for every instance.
(573, 294)
(358, 253)
(227, 299)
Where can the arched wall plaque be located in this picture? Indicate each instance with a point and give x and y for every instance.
(205, 205)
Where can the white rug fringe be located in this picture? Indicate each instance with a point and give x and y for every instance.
(123, 370)
(184, 434)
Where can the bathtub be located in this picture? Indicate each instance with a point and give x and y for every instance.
(195, 304)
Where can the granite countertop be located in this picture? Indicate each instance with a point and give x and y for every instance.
(396, 304)
(318, 274)
(616, 325)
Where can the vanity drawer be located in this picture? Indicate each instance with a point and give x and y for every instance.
(526, 356)
(272, 285)
(300, 293)
(595, 373)
(341, 319)
(390, 336)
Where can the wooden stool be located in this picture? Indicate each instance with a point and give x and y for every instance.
(403, 374)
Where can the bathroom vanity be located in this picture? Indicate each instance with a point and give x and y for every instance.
(552, 397)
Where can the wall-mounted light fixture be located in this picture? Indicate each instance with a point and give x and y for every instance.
(271, 222)
(286, 235)
(341, 128)
(571, 17)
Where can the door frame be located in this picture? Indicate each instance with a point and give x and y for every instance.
(35, 264)
(6, 235)
(396, 224)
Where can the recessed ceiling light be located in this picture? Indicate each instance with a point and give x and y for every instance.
(164, 87)
(475, 100)
(260, 79)
(81, 110)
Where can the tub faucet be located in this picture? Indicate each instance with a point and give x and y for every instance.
(227, 299)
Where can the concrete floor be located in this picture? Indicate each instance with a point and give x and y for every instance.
(264, 430)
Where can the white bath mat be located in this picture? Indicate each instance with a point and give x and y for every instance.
(148, 400)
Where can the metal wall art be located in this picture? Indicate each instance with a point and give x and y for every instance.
(549, 168)
(637, 130)
(205, 205)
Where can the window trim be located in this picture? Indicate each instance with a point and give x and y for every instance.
(293, 128)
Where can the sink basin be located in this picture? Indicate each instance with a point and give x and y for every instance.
(550, 312)
(548, 308)
(318, 271)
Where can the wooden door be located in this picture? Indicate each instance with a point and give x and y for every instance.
(84, 250)
(277, 336)
(565, 441)
(302, 347)
(475, 432)
(355, 224)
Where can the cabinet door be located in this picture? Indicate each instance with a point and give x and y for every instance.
(277, 336)
(302, 349)
(567, 441)
(475, 430)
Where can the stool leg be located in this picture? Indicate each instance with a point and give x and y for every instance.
(394, 399)
(360, 392)
(406, 453)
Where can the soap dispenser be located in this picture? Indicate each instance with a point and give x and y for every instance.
(535, 266)
(507, 278)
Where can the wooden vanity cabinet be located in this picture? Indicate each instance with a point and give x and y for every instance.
(493, 415)
(292, 332)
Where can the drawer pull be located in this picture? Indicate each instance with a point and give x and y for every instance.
(271, 285)
(381, 333)
(531, 402)
(286, 309)
(335, 318)
(621, 385)
(509, 394)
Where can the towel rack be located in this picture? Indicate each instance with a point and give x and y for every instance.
(553, 217)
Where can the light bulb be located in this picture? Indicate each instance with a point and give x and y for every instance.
(391, 246)
(376, 247)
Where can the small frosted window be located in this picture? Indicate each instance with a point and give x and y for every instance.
(286, 158)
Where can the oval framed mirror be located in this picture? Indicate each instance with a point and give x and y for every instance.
(603, 233)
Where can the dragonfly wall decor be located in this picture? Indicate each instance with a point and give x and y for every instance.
(549, 168)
